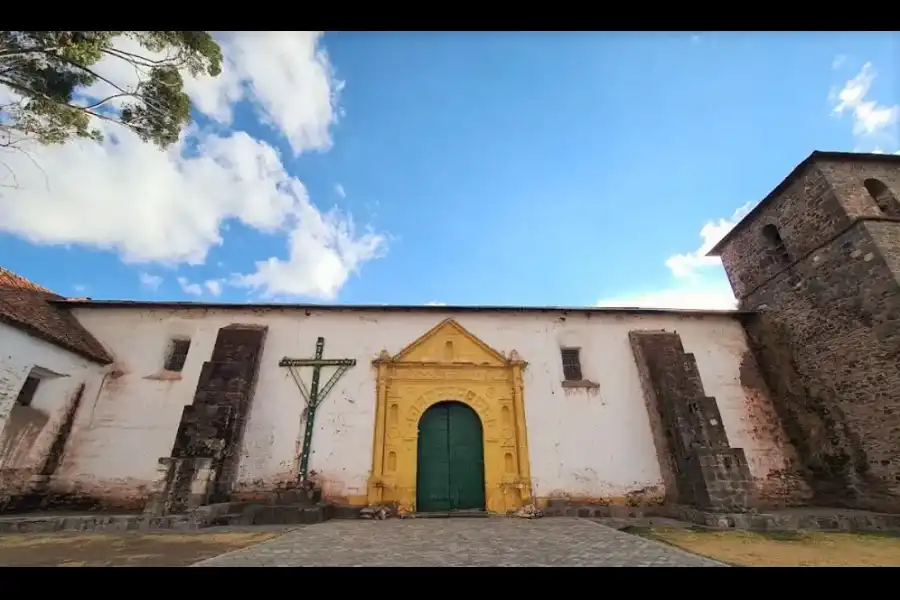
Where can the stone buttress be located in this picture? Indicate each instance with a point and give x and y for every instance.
(207, 446)
(699, 466)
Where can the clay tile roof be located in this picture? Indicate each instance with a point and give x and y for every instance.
(28, 306)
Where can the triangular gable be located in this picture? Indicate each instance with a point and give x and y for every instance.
(450, 342)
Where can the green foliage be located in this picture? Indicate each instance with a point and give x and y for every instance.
(48, 71)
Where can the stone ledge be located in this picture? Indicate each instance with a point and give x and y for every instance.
(164, 376)
(821, 519)
(251, 514)
(582, 384)
(225, 514)
(803, 518)
(269, 514)
(98, 523)
(343, 511)
(596, 511)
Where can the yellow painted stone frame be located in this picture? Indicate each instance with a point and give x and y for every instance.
(449, 363)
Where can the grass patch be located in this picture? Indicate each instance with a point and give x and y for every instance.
(784, 548)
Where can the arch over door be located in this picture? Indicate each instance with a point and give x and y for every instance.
(450, 469)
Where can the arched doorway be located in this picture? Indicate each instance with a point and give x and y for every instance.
(450, 465)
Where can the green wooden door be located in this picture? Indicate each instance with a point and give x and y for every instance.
(450, 473)
(433, 470)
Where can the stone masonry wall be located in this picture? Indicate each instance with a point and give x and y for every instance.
(207, 446)
(708, 473)
(827, 332)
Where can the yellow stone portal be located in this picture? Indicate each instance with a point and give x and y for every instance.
(449, 363)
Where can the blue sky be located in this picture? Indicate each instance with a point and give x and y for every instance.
(462, 168)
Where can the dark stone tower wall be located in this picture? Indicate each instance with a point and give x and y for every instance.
(827, 329)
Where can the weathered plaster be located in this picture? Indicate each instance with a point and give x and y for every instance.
(26, 433)
(587, 444)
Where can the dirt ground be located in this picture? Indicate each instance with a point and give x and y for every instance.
(785, 549)
(120, 549)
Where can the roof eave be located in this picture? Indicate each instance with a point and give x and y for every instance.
(102, 359)
(387, 307)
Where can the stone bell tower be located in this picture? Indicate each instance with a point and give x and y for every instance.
(818, 261)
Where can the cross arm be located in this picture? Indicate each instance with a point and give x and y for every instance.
(312, 362)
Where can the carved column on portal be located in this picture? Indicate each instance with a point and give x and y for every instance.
(376, 483)
(524, 466)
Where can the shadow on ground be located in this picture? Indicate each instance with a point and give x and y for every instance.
(120, 549)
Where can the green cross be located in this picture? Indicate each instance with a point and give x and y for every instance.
(314, 396)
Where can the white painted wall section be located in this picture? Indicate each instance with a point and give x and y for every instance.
(592, 444)
(61, 373)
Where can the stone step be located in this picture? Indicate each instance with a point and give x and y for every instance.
(295, 497)
(340, 511)
(232, 519)
(594, 511)
(291, 514)
(452, 514)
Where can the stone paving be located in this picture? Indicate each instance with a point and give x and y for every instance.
(494, 542)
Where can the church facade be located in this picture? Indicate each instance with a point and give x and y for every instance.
(120, 404)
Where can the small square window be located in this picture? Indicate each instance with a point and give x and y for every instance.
(178, 352)
(26, 394)
(571, 361)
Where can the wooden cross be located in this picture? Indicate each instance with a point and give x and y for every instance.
(314, 396)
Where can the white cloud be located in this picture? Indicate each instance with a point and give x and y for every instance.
(171, 206)
(687, 265)
(285, 75)
(150, 282)
(699, 280)
(435, 304)
(322, 254)
(838, 61)
(339, 190)
(214, 286)
(716, 295)
(187, 287)
(288, 78)
(874, 124)
(80, 287)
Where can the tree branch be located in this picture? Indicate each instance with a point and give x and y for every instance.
(104, 101)
(28, 90)
(92, 73)
(12, 174)
(109, 82)
(134, 58)
(23, 51)
(118, 88)
(33, 161)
